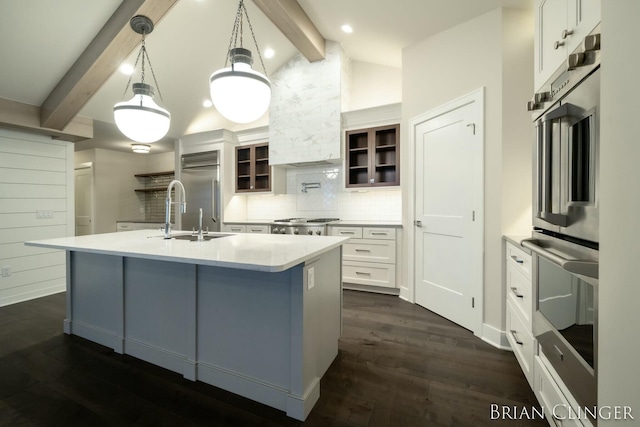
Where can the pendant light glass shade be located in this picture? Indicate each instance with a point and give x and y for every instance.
(239, 93)
(140, 118)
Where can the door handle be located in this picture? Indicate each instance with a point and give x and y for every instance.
(418, 223)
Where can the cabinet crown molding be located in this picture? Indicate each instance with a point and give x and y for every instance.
(374, 116)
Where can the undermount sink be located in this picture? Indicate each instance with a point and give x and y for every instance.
(193, 238)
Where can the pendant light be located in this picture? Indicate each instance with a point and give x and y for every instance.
(140, 118)
(238, 92)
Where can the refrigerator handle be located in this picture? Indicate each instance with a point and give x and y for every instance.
(215, 200)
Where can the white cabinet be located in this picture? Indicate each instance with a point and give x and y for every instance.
(519, 304)
(560, 27)
(369, 258)
(246, 228)
(257, 229)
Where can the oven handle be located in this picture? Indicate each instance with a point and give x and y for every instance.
(545, 175)
(577, 266)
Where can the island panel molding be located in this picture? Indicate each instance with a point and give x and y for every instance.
(267, 331)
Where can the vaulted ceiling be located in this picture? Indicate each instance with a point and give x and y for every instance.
(59, 59)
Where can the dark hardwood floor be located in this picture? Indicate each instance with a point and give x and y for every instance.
(398, 365)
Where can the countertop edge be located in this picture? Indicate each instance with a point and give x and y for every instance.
(272, 268)
(517, 240)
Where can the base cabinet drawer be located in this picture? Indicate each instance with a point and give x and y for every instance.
(354, 232)
(519, 259)
(369, 274)
(519, 292)
(379, 233)
(521, 341)
(231, 228)
(383, 251)
(257, 229)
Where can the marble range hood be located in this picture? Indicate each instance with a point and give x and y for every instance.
(307, 99)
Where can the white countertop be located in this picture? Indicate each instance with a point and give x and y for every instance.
(260, 252)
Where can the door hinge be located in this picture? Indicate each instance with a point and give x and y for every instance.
(473, 302)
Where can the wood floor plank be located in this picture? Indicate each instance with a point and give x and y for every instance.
(398, 365)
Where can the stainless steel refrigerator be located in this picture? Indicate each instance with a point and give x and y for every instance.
(200, 175)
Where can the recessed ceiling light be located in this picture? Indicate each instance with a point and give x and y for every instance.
(269, 53)
(141, 148)
(347, 28)
(126, 69)
(207, 103)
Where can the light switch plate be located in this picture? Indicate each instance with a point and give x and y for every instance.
(6, 271)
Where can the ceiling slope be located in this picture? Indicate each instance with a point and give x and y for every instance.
(111, 46)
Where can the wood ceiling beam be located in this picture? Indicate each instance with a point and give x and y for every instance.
(294, 23)
(110, 47)
(17, 115)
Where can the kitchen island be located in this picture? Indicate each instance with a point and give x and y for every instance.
(257, 315)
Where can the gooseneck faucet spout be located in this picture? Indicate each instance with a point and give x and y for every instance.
(168, 203)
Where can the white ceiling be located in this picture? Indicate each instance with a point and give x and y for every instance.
(41, 39)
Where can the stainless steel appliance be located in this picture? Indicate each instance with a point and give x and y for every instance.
(565, 240)
(200, 175)
(302, 226)
(566, 173)
(565, 321)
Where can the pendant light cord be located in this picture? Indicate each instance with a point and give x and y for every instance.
(237, 31)
(143, 53)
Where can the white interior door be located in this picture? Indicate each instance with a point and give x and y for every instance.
(448, 214)
(84, 200)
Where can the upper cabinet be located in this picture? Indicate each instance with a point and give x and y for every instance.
(253, 173)
(373, 156)
(561, 26)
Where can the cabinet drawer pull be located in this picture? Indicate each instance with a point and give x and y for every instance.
(378, 233)
(347, 232)
(256, 229)
(515, 292)
(516, 259)
(362, 250)
(364, 273)
(515, 337)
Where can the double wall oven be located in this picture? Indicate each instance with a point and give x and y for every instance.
(565, 240)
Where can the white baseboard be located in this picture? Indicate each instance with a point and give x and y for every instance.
(32, 294)
(495, 337)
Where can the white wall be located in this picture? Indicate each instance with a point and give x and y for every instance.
(619, 290)
(36, 174)
(485, 51)
(373, 85)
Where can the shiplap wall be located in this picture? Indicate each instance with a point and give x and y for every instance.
(36, 174)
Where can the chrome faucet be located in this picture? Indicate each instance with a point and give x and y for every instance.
(168, 203)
